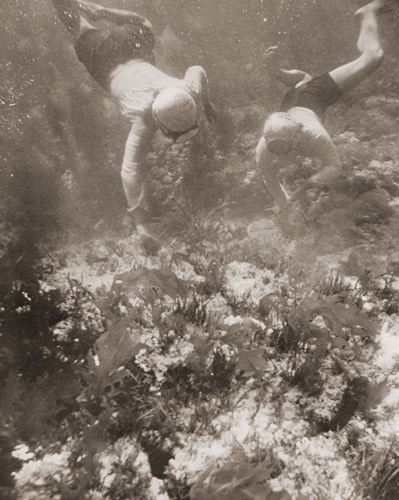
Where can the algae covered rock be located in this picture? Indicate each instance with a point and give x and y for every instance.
(372, 207)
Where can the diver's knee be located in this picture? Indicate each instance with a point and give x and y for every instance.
(378, 56)
(373, 58)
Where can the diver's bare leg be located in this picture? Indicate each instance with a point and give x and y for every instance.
(351, 74)
(96, 12)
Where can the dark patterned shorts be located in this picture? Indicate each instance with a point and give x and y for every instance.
(101, 51)
(317, 94)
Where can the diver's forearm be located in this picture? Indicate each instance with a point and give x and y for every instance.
(270, 172)
(291, 77)
(276, 190)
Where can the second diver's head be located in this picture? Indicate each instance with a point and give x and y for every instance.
(281, 133)
(176, 114)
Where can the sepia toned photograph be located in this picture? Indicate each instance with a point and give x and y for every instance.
(199, 250)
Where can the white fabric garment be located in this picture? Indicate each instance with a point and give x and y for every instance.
(313, 141)
(135, 85)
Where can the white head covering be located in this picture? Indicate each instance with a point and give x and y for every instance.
(175, 109)
(281, 126)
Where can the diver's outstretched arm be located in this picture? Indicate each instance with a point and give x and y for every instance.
(290, 77)
(198, 77)
(136, 149)
(267, 165)
(96, 12)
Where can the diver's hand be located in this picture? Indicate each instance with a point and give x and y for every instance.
(210, 113)
(272, 56)
(302, 186)
(305, 185)
(271, 51)
(283, 209)
(327, 176)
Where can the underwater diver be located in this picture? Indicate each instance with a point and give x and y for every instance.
(120, 58)
(297, 128)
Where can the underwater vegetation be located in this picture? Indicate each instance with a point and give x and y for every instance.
(255, 354)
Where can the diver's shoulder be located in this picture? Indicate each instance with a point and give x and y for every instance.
(304, 115)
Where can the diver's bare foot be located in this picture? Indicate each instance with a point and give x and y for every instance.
(92, 10)
(374, 7)
(68, 12)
